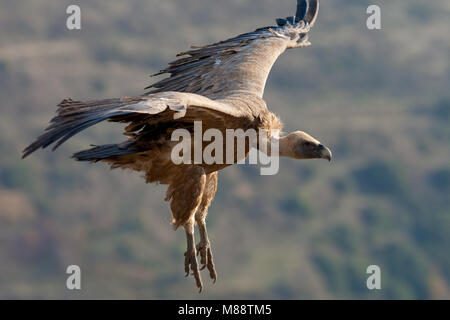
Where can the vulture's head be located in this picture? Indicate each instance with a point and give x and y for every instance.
(302, 146)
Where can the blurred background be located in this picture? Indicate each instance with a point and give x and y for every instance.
(379, 99)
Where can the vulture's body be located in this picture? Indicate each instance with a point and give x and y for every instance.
(220, 85)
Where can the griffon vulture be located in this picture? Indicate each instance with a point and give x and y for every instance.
(222, 85)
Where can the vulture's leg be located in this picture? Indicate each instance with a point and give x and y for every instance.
(190, 256)
(185, 193)
(204, 249)
(204, 246)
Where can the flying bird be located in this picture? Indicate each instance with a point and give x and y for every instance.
(222, 86)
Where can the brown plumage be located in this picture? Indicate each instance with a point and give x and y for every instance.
(221, 85)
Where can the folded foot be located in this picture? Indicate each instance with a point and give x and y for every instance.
(190, 260)
(206, 258)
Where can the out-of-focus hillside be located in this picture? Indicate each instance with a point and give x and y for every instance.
(379, 99)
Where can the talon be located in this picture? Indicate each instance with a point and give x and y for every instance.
(191, 267)
(204, 249)
(211, 268)
(190, 260)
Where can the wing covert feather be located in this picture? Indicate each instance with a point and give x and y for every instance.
(75, 116)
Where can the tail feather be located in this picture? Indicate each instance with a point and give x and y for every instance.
(75, 116)
(102, 152)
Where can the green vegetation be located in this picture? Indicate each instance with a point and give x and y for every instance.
(379, 99)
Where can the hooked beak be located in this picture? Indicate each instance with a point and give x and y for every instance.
(325, 153)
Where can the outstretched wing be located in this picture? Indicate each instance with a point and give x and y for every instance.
(240, 64)
(75, 116)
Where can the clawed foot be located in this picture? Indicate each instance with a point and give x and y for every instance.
(190, 260)
(203, 249)
(206, 259)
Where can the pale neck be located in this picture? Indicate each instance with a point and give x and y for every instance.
(284, 147)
